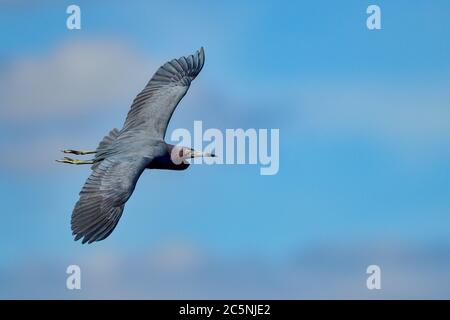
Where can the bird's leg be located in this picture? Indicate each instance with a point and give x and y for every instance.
(78, 152)
(74, 161)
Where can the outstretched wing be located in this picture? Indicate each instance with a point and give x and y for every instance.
(153, 107)
(103, 197)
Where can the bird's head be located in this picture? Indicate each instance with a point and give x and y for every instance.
(180, 154)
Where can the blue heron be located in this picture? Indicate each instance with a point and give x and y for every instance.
(123, 155)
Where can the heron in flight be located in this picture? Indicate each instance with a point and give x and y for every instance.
(123, 155)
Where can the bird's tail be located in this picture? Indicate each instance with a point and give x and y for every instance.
(103, 146)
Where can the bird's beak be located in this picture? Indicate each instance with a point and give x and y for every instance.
(198, 154)
(210, 155)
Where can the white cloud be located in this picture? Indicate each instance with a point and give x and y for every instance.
(177, 256)
(327, 271)
(71, 79)
(60, 89)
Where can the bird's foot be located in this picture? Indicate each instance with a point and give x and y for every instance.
(78, 152)
(74, 161)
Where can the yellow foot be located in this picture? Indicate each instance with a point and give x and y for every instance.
(74, 161)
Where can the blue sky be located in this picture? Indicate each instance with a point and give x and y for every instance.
(364, 119)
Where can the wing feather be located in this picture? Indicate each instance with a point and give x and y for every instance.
(154, 105)
(103, 197)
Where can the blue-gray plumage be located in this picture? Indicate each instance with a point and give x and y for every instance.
(124, 154)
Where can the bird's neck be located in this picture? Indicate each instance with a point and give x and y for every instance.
(165, 161)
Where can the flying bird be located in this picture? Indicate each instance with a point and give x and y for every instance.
(123, 155)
